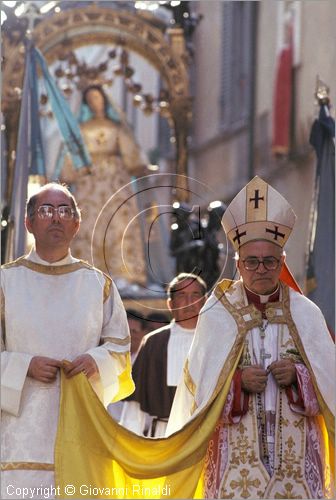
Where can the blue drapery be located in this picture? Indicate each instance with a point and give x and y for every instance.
(67, 123)
(321, 258)
(29, 152)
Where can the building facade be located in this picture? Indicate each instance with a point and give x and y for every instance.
(237, 52)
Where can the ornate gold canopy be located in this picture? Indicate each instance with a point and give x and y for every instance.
(98, 25)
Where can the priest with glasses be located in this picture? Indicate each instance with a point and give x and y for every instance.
(57, 313)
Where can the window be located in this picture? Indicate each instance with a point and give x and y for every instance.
(237, 60)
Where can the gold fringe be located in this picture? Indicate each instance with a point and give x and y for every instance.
(26, 466)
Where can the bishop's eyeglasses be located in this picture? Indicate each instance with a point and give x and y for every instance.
(252, 263)
(47, 212)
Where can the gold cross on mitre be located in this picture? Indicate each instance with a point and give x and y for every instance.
(258, 212)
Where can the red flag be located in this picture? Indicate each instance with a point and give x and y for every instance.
(283, 98)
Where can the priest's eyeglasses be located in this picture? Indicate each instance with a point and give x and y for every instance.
(252, 263)
(47, 212)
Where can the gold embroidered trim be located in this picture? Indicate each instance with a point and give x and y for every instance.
(327, 414)
(193, 407)
(115, 340)
(14, 263)
(273, 308)
(219, 291)
(26, 466)
(58, 270)
(239, 313)
(233, 356)
(188, 380)
(51, 270)
(243, 327)
(288, 480)
(224, 285)
(245, 475)
(107, 287)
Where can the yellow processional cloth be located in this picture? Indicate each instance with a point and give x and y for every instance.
(95, 457)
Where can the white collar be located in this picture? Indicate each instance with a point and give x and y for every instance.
(34, 257)
(263, 298)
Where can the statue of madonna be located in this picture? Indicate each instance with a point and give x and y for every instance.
(110, 233)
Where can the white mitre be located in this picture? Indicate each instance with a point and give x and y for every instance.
(258, 212)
